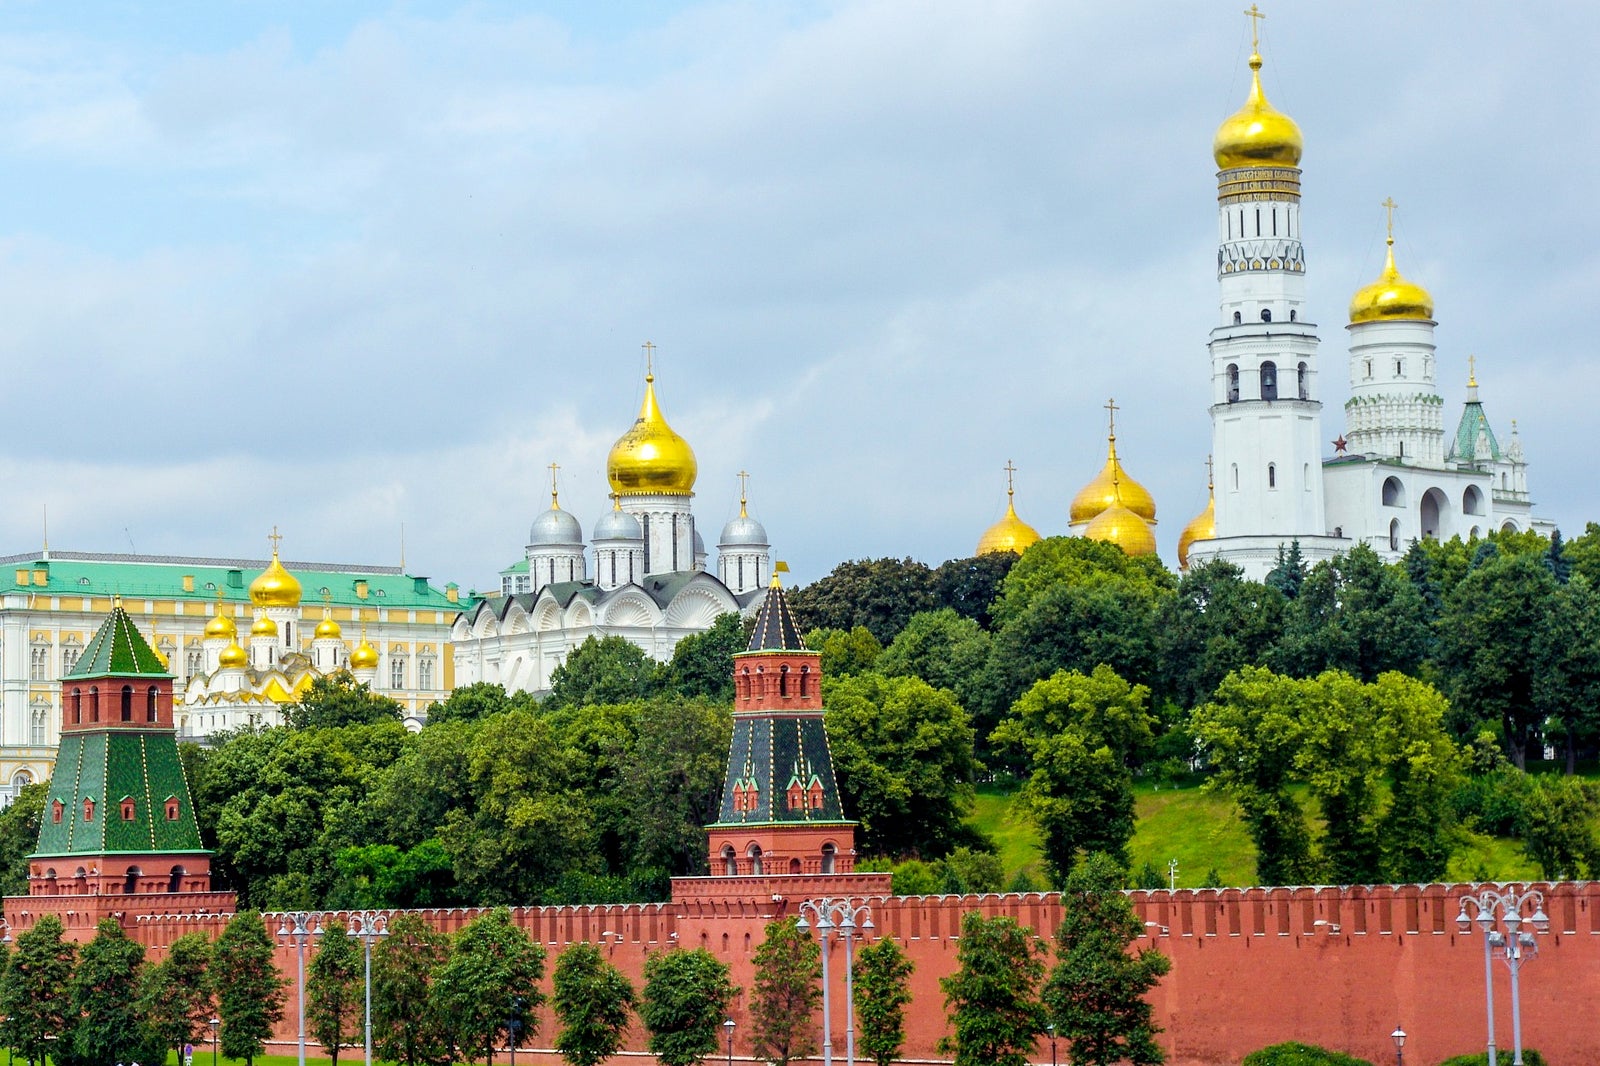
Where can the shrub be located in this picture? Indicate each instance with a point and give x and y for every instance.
(1530, 1057)
(1294, 1054)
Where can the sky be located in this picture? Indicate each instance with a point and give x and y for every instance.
(350, 268)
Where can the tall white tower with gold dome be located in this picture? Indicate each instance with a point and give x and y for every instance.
(653, 470)
(1266, 415)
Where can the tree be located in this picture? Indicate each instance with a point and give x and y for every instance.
(943, 648)
(177, 993)
(1075, 561)
(1096, 993)
(882, 989)
(250, 993)
(1217, 622)
(334, 989)
(671, 787)
(491, 962)
(610, 670)
(1558, 826)
(783, 1004)
(19, 836)
(1080, 737)
(992, 996)
(702, 663)
(844, 652)
(107, 1023)
(475, 702)
(35, 996)
(1486, 631)
(880, 594)
(1293, 1053)
(405, 1023)
(592, 1001)
(970, 586)
(686, 997)
(338, 700)
(1354, 613)
(902, 752)
(1566, 684)
(382, 876)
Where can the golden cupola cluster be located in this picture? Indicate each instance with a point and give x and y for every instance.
(1202, 526)
(1120, 525)
(1258, 134)
(1391, 298)
(650, 458)
(1010, 534)
(220, 626)
(1113, 492)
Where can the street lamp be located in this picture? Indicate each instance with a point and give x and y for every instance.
(302, 925)
(1051, 1029)
(215, 1024)
(1399, 1038)
(830, 915)
(727, 1027)
(368, 926)
(1515, 945)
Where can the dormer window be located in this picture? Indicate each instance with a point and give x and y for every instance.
(172, 808)
(58, 811)
(88, 810)
(129, 810)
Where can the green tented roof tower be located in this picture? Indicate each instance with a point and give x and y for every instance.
(781, 812)
(119, 819)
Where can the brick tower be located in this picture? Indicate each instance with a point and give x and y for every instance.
(780, 804)
(118, 835)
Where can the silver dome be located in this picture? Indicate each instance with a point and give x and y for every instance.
(618, 525)
(555, 527)
(744, 531)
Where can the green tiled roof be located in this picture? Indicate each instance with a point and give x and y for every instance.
(106, 767)
(1466, 442)
(118, 649)
(161, 577)
(518, 567)
(775, 628)
(769, 757)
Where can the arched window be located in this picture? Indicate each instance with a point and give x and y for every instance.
(1399, 367)
(1394, 493)
(783, 680)
(1266, 314)
(1394, 534)
(1369, 369)
(1294, 315)
(127, 703)
(829, 853)
(175, 879)
(1233, 382)
(1435, 511)
(38, 728)
(794, 866)
(1272, 475)
(1238, 318)
(130, 884)
(1269, 380)
(730, 861)
(130, 810)
(1472, 500)
(88, 810)
(77, 706)
(151, 711)
(172, 808)
(1304, 383)
(1236, 477)
(754, 853)
(94, 703)
(805, 676)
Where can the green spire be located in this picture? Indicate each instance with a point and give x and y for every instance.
(118, 649)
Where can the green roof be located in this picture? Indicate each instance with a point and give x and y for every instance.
(518, 567)
(1466, 442)
(118, 648)
(107, 767)
(161, 577)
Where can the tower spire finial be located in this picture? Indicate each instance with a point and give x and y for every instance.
(1388, 206)
(555, 501)
(1472, 371)
(744, 485)
(649, 360)
(1111, 406)
(1255, 15)
(1210, 476)
(1011, 485)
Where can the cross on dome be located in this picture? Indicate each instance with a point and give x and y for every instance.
(1011, 485)
(1255, 15)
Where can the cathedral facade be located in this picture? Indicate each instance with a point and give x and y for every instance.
(649, 584)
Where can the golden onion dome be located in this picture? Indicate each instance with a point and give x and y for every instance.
(1010, 534)
(1391, 297)
(263, 627)
(365, 657)
(1257, 135)
(1120, 526)
(275, 586)
(220, 625)
(233, 657)
(328, 629)
(651, 457)
(1102, 492)
(1202, 526)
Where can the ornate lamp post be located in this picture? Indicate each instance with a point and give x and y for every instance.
(727, 1027)
(302, 925)
(1515, 945)
(1399, 1038)
(840, 915)
(215, 1024)
(368, 926)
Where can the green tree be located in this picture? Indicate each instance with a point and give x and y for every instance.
(970, 586)
(1566, 683)
(992, 998)
(19, 836)
(177, 993)
(1558, 826)
(1293, 1053)
(593, 1001)
(250, 993)
(35, 993)
(1075, 561)
(381, 876)
(335, 983)
(671, 787)
(882, 991)
(1357, 614)
(610, 670)
(1080, 737)
(902, 752)
(475, 702)
(405, 1022)
(1096, 993)
(844, 652)
(1418, 829)
(702, 663)
(943, 648)
(340, 700)
(108, 1025)
(880, 594)
(1216, 623)
(491, 961)
(686, 998)
(430, 779)
(788, 989)
(967, 872)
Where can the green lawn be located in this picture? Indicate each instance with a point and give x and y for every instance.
(1202, 830)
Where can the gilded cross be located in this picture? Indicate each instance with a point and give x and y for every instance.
(1388, 206)
(744, 484)
(275, 537)
(649, 358)
(554, 467)
(1472, 370)
(1011, 470)
(1210, 474)
(1111, 405)
(1255, 15)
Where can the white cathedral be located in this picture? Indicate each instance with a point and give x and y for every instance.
(650, 583)
(1395, 476)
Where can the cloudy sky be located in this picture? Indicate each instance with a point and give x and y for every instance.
(343, 267)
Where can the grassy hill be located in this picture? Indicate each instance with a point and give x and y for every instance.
(1203, 831)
